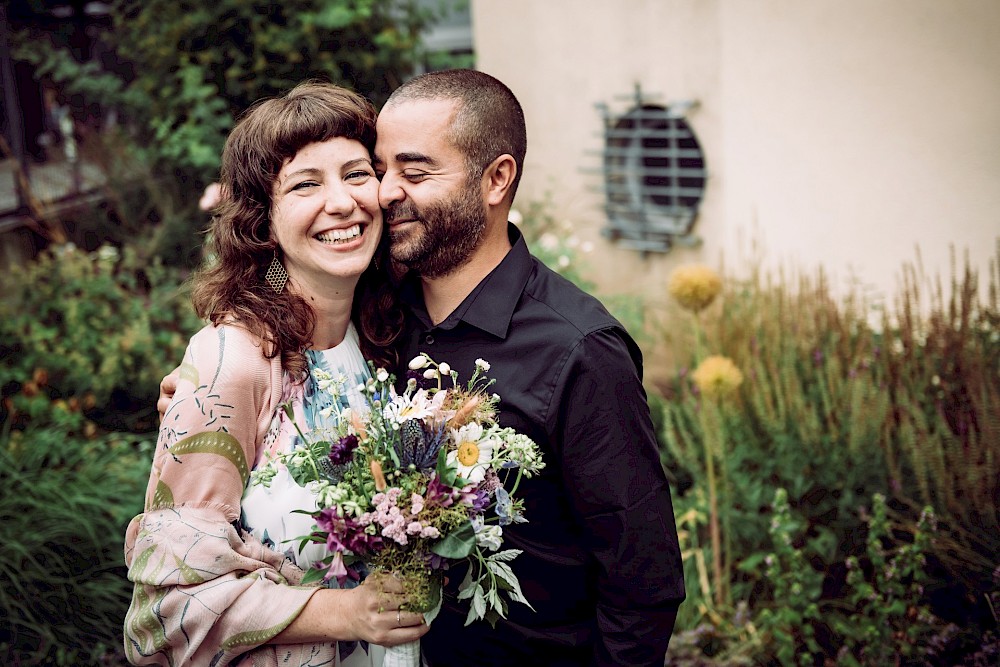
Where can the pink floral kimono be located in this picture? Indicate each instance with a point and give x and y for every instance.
(215, 563)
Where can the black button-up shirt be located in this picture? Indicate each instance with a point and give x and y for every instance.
(600, 562)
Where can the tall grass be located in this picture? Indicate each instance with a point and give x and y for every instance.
(941, 373)
(64, 503)
(841, 401)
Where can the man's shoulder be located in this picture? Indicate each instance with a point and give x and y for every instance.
(565, 303)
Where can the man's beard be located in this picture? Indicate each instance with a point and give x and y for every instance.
(444, 234)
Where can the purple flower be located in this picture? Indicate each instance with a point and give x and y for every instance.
(491, 481)
(439, 494)
(435, 562)
(481, 501)
(342, 451)
(343, 533)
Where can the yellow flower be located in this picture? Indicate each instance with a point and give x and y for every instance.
(694, 286)
(468, 454)
(717, 376)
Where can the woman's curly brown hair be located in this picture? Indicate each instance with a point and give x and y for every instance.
(232, 286)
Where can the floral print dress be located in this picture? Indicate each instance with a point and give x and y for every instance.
(269, 511)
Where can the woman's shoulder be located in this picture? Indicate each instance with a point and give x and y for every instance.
(231, 344)
(230, 333)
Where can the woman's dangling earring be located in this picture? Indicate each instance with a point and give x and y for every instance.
(276, 276)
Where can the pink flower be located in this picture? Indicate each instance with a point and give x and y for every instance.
(339, 570)
(416, 503)
(211, 197)
(345, 534)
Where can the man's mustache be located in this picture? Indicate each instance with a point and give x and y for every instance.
(401, 211)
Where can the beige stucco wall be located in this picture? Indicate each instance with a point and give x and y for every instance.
(837, 133)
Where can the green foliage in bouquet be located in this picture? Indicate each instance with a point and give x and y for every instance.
(95, 331)
(65, 500)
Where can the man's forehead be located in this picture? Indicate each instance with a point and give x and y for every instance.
(413, 126)
(409, 112)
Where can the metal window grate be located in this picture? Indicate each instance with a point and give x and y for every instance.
(654, 176)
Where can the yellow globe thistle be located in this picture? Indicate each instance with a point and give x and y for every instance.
(717, 376)
(694, 286)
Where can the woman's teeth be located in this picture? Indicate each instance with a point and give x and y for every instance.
(340, 235)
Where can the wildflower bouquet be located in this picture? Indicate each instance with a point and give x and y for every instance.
(414, 482)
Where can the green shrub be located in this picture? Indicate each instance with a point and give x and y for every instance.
(839, 402)
(182, 74)
(96, 330)
(800, 420)
(789, 621)
(64, 503)
(888, 616)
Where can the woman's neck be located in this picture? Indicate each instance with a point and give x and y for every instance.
(331, 303)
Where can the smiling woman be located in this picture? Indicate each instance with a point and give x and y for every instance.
(297, 287)
(326, 220)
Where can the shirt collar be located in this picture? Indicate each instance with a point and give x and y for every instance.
(490, 306)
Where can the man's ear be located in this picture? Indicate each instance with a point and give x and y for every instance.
(498, 179)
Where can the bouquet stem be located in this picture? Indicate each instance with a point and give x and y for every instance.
(423, 590)
(403, 655)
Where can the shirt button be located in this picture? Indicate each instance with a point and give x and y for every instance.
(429, 339)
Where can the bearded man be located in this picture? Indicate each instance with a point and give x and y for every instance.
(600, 561)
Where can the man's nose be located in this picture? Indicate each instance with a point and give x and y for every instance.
(389, 190)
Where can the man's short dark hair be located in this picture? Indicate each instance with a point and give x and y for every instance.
(489, 121)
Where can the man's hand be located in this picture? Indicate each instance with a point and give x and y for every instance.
(168, 386)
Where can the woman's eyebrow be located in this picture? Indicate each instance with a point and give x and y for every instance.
(350, 164)
(308, 171)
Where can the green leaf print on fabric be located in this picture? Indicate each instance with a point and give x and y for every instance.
(163, 497)
(188, 372)
(221, 444)
(187, 572)
(257, 637)
(137, 572)
(144, 622)
(142, 619)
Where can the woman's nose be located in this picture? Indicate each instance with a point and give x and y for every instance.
(339, 202)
